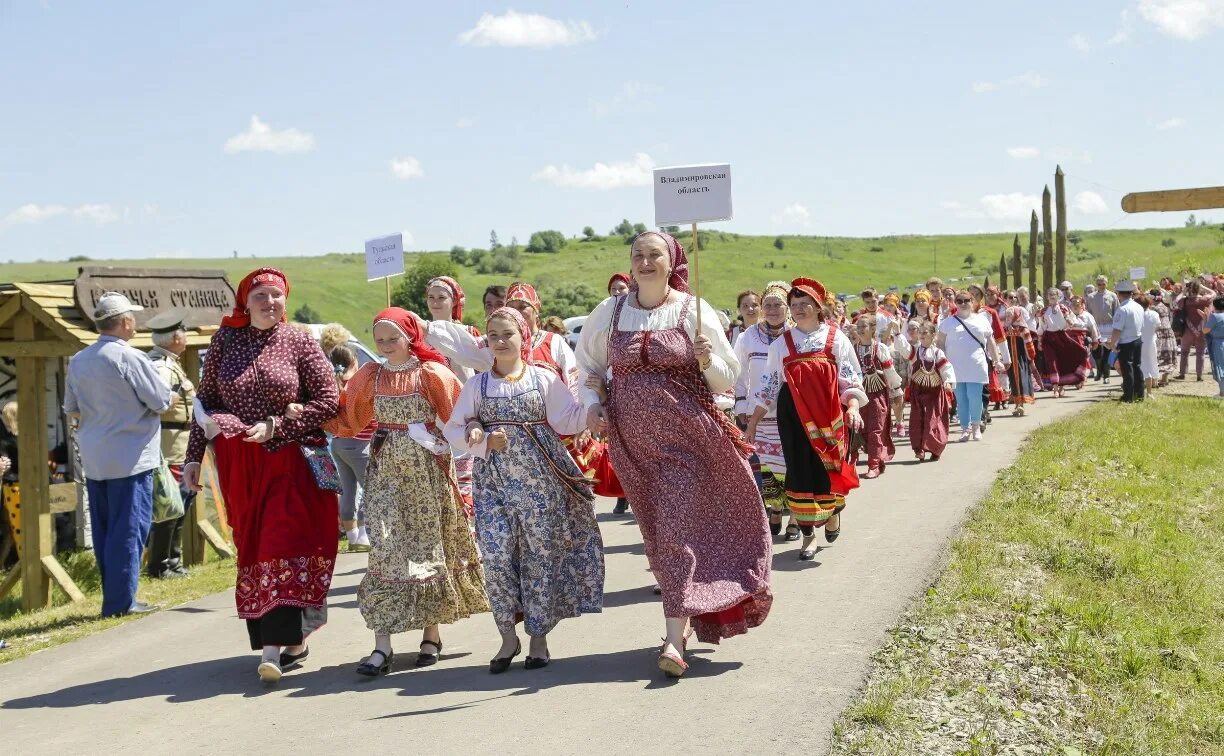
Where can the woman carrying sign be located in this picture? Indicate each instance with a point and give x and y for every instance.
(681, 461)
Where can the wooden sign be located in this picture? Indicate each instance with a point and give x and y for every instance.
(1206, 198)
(201, 296)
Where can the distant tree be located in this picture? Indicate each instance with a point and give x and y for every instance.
(639, 228)
(514, 245)
(546, 241)
(877, 249)
(1166, 243)
(567, 301)
(493, 242)
(671, 229)
(504, 261)
(80, 258)
(459, 255)
(1074, 238)
(411, 292)
(1191, 222)
(970, 259)
(778, 243)
(588, 233)
(306, 314)
(624, 228)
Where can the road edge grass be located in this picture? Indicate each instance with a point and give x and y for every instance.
(1082, 609)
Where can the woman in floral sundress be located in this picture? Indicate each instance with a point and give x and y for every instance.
(543, 555)
(681, 461)
(424, 570)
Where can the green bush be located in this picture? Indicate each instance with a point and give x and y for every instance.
(546, 241)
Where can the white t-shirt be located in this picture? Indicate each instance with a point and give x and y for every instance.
(967, 354)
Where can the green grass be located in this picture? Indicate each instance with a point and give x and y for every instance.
(1119, 515)
(65, 621)
(335, 284)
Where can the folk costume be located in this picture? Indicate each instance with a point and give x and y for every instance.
(424, 569)
(543, 554)
(463, 463)
(880, 380)
(931, 376)
(284, 523)
(1064, 357)
(1023, 358)
(682, 462)
(809, 377)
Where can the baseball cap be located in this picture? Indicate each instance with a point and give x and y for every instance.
(113, 303)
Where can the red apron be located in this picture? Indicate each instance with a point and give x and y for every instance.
(812, 379)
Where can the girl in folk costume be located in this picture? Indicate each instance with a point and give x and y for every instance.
(922, 307)
(748, 302)
(811, 374)
(880, 379)
(424, 570)
(1063, 357)
(548, 350)
(1086, 329)
(543, 556)
(932, 381)
(603, 475)
(901, 339)
(445, 299)
(682, 462)
(1023, 358)
(752, 351)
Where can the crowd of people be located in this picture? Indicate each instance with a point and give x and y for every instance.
(467, 461)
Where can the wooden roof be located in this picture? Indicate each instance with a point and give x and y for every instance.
(60, 329)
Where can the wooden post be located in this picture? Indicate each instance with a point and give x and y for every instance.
(696, 278)
(1060, 234)
(193, 540)
(1047, 247)
(1032, 258)
(387, 279)
(32, 443)
(1016, 263)
(1002, 271)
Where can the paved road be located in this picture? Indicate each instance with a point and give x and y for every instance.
(183, 680)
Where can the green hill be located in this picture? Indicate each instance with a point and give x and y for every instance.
(335, 286)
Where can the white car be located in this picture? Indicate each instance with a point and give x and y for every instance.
(364, 354)
(574, 326)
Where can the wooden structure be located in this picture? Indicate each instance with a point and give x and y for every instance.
(1002, 270)
(1032, 257)
(40, 328)
(1047, 247)
(1016, 263)
(1060, 226)
(1205, 198)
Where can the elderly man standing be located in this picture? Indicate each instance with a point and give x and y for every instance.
(1127, 332)
(1102, 304)
(115, 393)
(169, 342)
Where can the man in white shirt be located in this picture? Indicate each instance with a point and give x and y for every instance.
(1102, 304)
(1126, 338)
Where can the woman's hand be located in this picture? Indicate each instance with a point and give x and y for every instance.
(853, 418)
(475, 434)
(702, 350)
(950, 386)
(498, 441)
(750, 433)
(259, 433)
(294, 411)
(597, 419)
(5, 464)
(191, 476)
(596, 384)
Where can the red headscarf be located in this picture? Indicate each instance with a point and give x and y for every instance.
(511, 314)
(624, 277)
(678, 279)
(810, 287)
(240, 317)
(408, 325)
(523, 292)
(456, 292)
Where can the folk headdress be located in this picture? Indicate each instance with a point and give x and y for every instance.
(456, 292)
(513, 315)
(523, 292)
(809, 286)
(678, 279)
(407, 324)
(241, 317)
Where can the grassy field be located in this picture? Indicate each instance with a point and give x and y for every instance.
(1082, 609)
(335, 285)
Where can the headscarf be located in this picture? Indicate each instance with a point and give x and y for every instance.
(624, 277)
(779, 289)
(995, 291)
(678, 279)
(511, 314)
(811, 287)
(241, 317)
(456, 292)
(922, 295)
(1015, 317)
(407, 324)
(892, 298)
(523, 292)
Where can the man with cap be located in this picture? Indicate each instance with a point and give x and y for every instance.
(1068, 292)
(169, 342)
(115, 394)
(1102, 304)
(1126, 339)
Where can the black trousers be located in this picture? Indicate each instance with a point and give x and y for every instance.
(285, 626)
(1100, 355)
(1131, 369)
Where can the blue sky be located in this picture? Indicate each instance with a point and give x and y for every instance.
(135, 129)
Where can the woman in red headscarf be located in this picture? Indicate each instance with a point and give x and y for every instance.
(445, 299)
(681, 461)
(284, 521)
(424, 570)
(618, 284)
(812, 374)
(538, 535)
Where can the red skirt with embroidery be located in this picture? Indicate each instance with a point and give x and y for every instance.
(285, 527)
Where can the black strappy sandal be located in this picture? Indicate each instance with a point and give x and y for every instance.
(500, 664)
(374, 670)
(792, 532)
(808, 553)
(428, 660)
(775, 527)
(831, 535)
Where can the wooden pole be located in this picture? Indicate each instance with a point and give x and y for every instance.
(1047, 247)
(387, 279)
(35, 494)
(1060, 234)
(1002, 270)
(696, 278)
(1032, 257)
(1205, 198)
(1016, 266)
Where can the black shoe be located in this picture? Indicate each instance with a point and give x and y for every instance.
(622, 506)
(428, 660)
(792, 533)
(535, 662)
(502, 663)
(657, 591)
(288, 660)
(775, 527)
(169, 575)
(831, 535)
(370, 669)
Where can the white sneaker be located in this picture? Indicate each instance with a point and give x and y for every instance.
(965, 435)
(363, 537)
(269, 672)
(977, 433)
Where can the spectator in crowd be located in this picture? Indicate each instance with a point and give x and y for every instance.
(165, 558)
(494, 299)
(554, 324)
(117, 396)
(1193, 308)
(352, 455)
(1101, 305)
(1127, 339)
(8, 473)
(1213, 329)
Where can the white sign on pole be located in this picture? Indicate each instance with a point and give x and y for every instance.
(384, 257)
(692, 194)
(1138, 274)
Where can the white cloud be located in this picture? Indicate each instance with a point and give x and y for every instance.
(260, 137)
(408, 240)
(1023, 153)
(514, 29)
(465, 123)
(32, 213)
(407, 168)
(1027, 79)
(1123, 34)
(99, 214)
(1080, 42)
(1015, 206)
(631, 93)
(951, 205)
(794, 214)
(635, 172)
(1171, 123)
(1183, 19)
(1089, 203)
